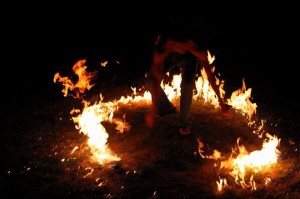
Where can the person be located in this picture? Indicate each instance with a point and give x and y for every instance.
(188, 56)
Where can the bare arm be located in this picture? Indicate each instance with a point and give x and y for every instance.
(202, 56)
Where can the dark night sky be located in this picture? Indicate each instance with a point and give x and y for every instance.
(261, 48)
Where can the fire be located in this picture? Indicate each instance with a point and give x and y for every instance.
(257, 159)
(90, 120)
(240, 100)
(83, 83)
(103, 64)
(205, 92)
(89, 123)
(172, 89)
(246, 163)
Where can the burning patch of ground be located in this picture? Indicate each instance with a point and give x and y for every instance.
(49, 158)
(49, 150)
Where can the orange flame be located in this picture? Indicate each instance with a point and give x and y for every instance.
(103, 64)
(205, 92)
(83, 83)
(254, 161)
(90, 121)
(240, 100)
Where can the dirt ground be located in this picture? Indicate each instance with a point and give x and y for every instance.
(37, 159)
(44, 155)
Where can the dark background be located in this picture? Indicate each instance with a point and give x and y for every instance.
(37, 43)
(40, 40)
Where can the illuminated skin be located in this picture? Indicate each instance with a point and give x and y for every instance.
(186, 56)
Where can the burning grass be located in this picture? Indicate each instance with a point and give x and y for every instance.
(55, 155)
(155, 162)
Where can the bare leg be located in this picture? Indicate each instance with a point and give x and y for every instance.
(160, 103)
(187, 85)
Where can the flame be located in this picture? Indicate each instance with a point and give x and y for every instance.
(89, 123)
(240, 100)
(222, 183)
(103, 64)
(205, 92)
(90, 120)
(254, 161)
(172, 89)
(83, 83)
(240, 165)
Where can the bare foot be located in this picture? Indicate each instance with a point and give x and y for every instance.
(227, 111)
(150, 119)
(185, 131)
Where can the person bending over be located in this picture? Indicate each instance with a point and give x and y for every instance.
(188, 56)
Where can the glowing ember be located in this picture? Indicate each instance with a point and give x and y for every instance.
(103, 64)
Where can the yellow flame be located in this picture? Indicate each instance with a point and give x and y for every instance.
(89, 123)
(254, 161)
(204, 90)
(240, 100)
(103, 64)
(221, 184)
(90, 120)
